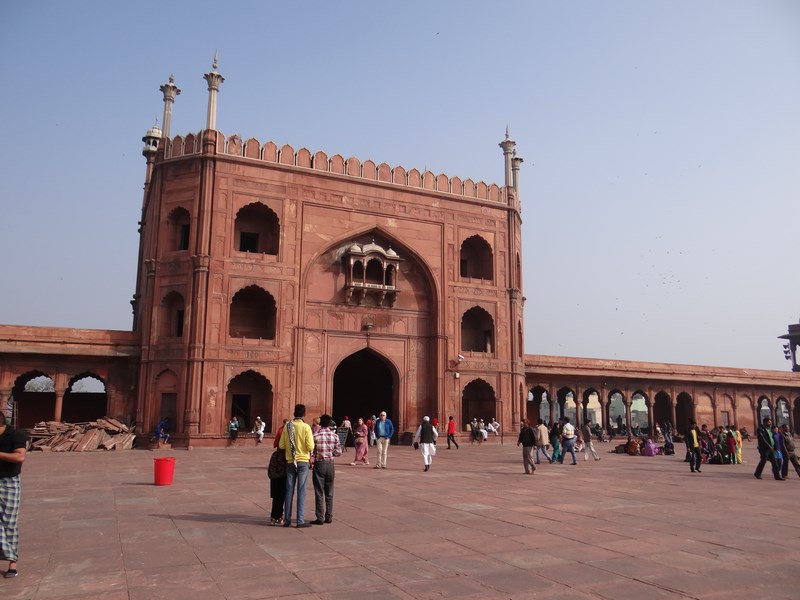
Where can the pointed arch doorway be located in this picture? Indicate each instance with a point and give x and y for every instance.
(364, 384)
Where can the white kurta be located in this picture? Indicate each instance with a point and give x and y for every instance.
(428, 450)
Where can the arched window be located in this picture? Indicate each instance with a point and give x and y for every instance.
(178, 226)
(374, 272)
(257, 230)
(477, 330)
(476, 259)
(172, 314)
(253, 314)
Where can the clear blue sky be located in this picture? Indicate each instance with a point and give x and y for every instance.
(661, 140)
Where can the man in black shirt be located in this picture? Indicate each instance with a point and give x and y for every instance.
(12, 455)
(527, 438)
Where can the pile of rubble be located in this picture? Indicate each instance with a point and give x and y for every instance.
(103, 434)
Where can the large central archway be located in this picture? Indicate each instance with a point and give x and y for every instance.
(364, 384)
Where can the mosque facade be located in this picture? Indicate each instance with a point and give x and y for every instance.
(269, 276)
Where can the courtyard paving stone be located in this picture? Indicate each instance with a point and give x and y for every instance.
(93, 525)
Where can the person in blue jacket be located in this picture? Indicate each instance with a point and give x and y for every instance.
(384, 430)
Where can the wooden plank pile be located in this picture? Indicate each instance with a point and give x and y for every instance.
(103, 434)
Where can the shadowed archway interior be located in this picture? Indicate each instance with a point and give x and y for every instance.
(363, 386)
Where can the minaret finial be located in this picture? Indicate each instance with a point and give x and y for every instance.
(507, 132)
(214, 80)
(170, 91)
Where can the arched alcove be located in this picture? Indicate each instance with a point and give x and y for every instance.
(249, 395)
(253, 314)
(364, 384)
(478, 400)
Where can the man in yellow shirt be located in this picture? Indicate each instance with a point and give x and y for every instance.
(693, 446)
(298, 443)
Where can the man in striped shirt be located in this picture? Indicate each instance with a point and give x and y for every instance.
(326, 447)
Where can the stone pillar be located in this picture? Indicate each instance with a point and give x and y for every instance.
(170, 90)
(673, 413)
(603, 409)
(214, 80)
(651, 422)
(628, 422)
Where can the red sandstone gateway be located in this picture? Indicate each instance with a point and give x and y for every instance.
(270, 276)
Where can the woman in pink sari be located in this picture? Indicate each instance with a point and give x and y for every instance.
(362, 435)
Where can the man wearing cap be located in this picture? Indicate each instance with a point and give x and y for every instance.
(425, 440)
(384, 430)
(258, 429)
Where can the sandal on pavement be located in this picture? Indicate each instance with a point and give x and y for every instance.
(11, 573)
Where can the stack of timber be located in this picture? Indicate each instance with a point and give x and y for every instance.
(103, 434)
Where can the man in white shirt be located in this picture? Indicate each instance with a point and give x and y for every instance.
(568, 441)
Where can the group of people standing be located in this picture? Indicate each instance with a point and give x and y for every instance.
(302, 448)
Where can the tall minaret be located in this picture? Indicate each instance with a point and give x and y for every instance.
(214, 80)
(170, 90)
(508, 147)
(516, 161)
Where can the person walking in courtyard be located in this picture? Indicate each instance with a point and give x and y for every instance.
(298, 444)
(384, 430)
(326, 447)
(425, 441)
(542, 440)
(362, 447)
(588, 445)
(568, 444)
(451, 433)
(233, 431)
(555, 441)
(693, 447)
(789, 453)
(527, 439)
(373, 440)
(12, 455)
(766, 449)
(777, 436)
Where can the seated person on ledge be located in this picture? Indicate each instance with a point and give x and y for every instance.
(162, 431)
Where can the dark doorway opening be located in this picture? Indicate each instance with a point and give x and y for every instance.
(662, 409)
(363, 385)
(240, 408)
(684, 411)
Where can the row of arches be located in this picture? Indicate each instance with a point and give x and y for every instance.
(256, 230)
(639, 414)
(34, 397)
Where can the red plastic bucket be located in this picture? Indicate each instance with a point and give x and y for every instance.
(164, 470)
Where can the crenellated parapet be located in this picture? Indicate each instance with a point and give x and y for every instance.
(351, 167)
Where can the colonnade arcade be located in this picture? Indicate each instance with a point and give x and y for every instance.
(622, 409)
